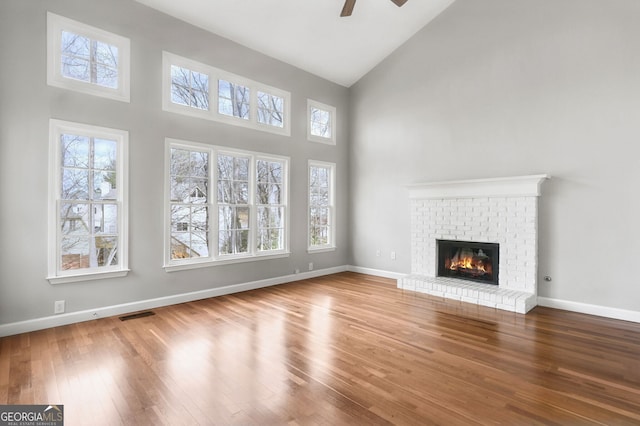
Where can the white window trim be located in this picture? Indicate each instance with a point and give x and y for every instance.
(332, 112)
(55, 25)
(56, 129)
(331, 245)
(214, 258)
(214, 75)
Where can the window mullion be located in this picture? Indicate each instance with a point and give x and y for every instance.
(91, 201)
(93, 60)
(212, 202)
(253, 104)
(253, 211)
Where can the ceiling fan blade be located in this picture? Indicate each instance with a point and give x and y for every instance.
(348, 7)
(399, 2)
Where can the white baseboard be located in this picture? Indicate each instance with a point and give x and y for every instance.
(125, 308)
(376, 272)
(585, 308)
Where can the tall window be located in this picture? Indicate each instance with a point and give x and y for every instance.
(321, 205)
(270, 203)
(87, 59)
(224, 205)
(189, 203)
(233, 203)
(233, 99)
(87, 202)
(321, 121)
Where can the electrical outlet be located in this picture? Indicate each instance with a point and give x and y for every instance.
(58, 307)
(297, 271)
(393, 255)
(311, 266)
(377, 253)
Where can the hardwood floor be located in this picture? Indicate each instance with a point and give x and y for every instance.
(341, 349)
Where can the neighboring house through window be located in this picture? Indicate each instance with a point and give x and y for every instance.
(321, 211)
(87, 59)
(224, 205)
(189, 203)
(88, 202)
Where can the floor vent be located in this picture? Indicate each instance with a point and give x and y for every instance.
(136, 315)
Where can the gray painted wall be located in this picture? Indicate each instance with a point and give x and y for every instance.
(27, 104)
(512, 87)
(491, 88)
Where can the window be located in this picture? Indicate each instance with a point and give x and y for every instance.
(321, 120)
(321, 205)
(224, 205)
(189, 88)
(240, 101)
(87, 209)
(233, 99)
(270, 204)
(87, 59)
(189, 185)
(233, 203)
(270, 109)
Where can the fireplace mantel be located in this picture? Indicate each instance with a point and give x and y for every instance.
(501, 211)
(514, 186)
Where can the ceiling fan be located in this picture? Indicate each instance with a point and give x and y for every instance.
(347, 9)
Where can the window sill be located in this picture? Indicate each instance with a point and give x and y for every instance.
(322, 249)
(223, 261)
(87, 276)
(320, 139)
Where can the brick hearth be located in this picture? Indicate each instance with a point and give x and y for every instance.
(501, 210)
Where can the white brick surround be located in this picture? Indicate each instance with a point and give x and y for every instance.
(501, 210)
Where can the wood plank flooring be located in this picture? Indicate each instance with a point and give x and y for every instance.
(341, 349)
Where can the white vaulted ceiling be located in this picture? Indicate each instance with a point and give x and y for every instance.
(310, 34)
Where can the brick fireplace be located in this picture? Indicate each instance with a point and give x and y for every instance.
(502, 211)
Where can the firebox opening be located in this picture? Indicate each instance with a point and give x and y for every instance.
(468, 260)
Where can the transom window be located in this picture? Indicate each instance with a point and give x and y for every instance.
(88, 202)
(270, 109)
(240, 101)
(321, 120)
(321, 206)
(189, 88)
(87, 59)
(233, 99)
(224, 205)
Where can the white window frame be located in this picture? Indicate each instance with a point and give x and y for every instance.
(331, 244)
(215, 258)
(168, 60)
(215, 74)
(332, 114)
(56, 129)
(55, 25)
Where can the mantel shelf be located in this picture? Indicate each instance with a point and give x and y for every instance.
(515, 186)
